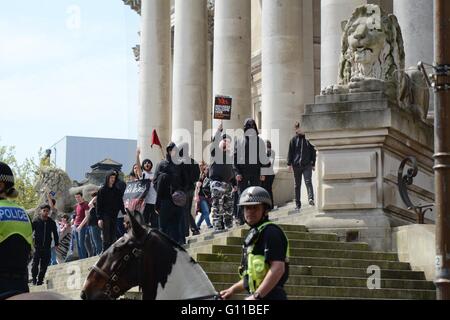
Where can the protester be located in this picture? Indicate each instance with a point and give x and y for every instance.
(192, 173)
(144, 171)
(222, 176)
(81, 231)
(268, 171)
(121, 186)
(249, 158)
(109, 203)
(43, 227)
(302, 159)
(91, 221)
(65, 234)
(168, 180)
(202, 197)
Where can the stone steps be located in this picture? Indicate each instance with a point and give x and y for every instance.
(216, 267)
(310, 261)
(328, 281)
(361, 293)
(321, 267)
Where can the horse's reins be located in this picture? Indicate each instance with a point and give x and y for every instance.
(136, 253)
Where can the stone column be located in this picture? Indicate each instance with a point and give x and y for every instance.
(190, 86)
(332, 14)
(282, 83)
(154, 109)
(416, 21)
(232, 57)
(282, 72)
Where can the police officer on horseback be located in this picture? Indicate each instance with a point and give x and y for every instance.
(264, 268)
(15, 238)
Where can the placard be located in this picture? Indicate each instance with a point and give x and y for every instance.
(222, 107)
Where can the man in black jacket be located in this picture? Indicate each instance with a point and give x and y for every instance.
(109, 203)
(302, 159)
(169, 178)
(43, 227)
(249, 157)
(191, 170)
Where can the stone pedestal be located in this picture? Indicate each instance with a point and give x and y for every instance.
(361, 140)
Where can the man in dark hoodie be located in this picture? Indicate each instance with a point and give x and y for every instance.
(168, 179)
(109, 203)
(43, 227)
(222, 178)
(302, 159)
(191, 170)
(249, 157)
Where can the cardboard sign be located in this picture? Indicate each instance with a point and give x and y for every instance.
(134, 196)
(222, 108)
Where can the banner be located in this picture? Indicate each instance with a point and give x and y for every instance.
(222, 108)
(135, 193)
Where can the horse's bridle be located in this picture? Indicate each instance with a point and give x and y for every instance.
(112, 289)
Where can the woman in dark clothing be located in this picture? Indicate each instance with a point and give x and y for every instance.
(109, 203)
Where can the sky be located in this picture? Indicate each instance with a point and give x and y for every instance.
(66, 69)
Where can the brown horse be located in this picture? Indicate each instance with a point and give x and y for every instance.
(151, 260)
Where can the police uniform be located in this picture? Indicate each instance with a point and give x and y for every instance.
(15, 246)
(269, 244)
(265, 243)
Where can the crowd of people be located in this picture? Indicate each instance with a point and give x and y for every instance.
(181, 195)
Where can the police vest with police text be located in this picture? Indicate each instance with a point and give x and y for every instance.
(14, 220)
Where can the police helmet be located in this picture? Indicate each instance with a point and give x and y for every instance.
(255, 195)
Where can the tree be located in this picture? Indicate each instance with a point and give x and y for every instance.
(25, 175)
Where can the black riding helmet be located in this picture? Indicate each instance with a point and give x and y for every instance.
(7, 177)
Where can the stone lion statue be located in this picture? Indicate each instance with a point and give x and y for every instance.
(373, 59)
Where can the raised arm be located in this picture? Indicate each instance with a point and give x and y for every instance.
(138, 163)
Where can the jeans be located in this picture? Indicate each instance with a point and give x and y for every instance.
(204, 209)
(81, 239)
(307, 174)
(53, 256)
(96, 239)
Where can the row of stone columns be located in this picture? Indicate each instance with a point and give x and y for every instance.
(283, 71)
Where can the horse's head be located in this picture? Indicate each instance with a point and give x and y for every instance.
(119, 268)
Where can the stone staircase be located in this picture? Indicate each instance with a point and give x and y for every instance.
(321, 266)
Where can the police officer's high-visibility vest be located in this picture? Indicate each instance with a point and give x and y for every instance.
(257, 267)
(14, 220)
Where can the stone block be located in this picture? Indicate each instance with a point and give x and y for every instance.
(351, 164)
(351, 195)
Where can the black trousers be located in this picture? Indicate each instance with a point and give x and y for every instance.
(150, 216)
(41, 259)
(109, 231)
(189, 222)
(306, 172)
(267, 184)
(12, 286)
(246, 182)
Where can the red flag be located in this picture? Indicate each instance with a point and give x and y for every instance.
(155, 139)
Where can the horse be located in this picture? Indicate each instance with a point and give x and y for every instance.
(149, 259)
(38, 296)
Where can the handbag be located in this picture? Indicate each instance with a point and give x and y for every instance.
(179, 197)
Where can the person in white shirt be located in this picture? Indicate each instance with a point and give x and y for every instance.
(145, 172)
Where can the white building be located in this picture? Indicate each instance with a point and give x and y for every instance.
(76, 155)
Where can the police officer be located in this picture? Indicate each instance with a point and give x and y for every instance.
(15, 238)
(264, 269)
